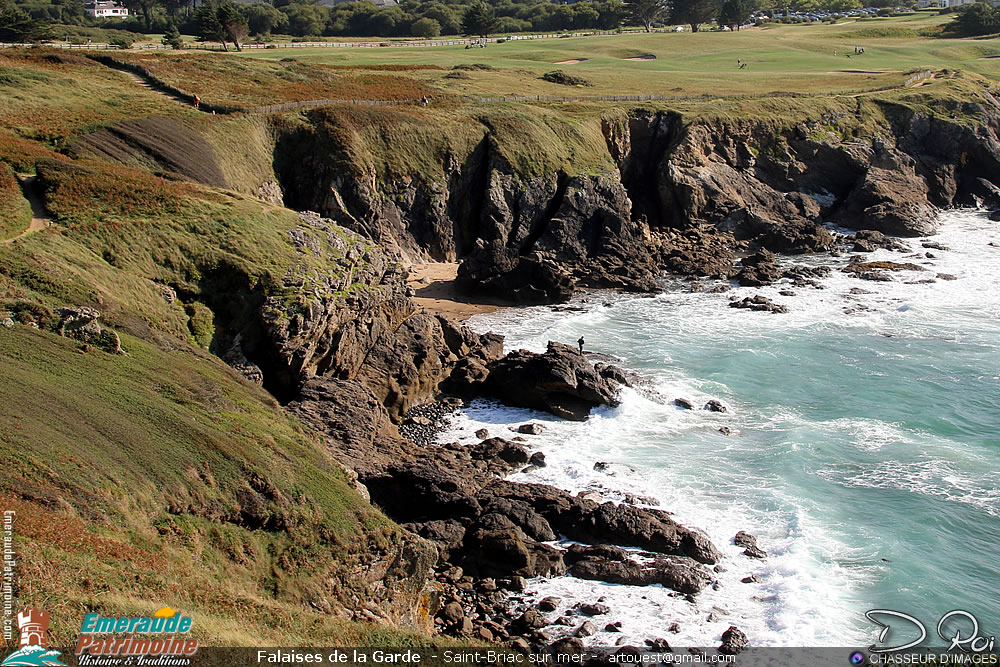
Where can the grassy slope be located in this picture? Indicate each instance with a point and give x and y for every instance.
(124, 472)
(15, 213)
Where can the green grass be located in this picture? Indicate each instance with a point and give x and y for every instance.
(797, 58)
(15, 213)
(119, 482)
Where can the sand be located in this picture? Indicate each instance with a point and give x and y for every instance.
(434, 285)
(574, 61)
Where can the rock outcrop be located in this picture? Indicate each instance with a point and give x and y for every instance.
(561, 381)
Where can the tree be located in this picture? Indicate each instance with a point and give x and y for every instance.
(172, 37)
(611, 14)
(426, 28)
(694, 12)
(209, 26)
(16, 25)
(735, 13)
(144, 7)
(264, 19)
(648, 12)
(305, 20)
(977, 18)
(234, 23)
(480, 19)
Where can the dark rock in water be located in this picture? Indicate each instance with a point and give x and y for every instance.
(869, 240)
(593, 609)
(498, 449)
(537, 459)
(550, 603)
(934, 245)
(946, 276)
(733, 641)
(744, 539)
(719, 289)
(506, 552)
(858, 290)
(725, 430)
(659, 645)
(601, 466)
(613, 627)
(786, 292)
(578, 552)
(759, 303)
(861, 268)
(612, 372)
(530, 429)
(994, 215)
(561, 381)
(752, 579)
(586, 629)
(482, 433)
(531, 619)
(674, 627)
(715, 406)
(759, 270)
(516, 584)
(677, 573)
(684, 403)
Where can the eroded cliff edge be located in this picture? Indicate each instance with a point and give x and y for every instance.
(534, 205)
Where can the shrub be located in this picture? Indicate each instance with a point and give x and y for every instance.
(560, 77)
(123, 43)
(426, 28)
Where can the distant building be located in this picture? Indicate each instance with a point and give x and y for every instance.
(956, 3)
(103, 9)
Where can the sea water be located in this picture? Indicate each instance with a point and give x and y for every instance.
(864, 453)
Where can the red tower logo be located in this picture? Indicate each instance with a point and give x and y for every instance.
(34, 626)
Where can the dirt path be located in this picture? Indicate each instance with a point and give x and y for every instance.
(434, 285)
(39, 218)
(149, 86)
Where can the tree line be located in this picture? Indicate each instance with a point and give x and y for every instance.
(229, 22)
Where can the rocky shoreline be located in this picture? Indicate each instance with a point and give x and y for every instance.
(379, 377)
(711, 199)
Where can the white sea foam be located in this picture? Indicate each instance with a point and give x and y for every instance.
(820, 563)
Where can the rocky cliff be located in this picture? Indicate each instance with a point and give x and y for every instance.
(668, 190)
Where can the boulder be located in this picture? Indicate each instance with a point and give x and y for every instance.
(759, 303)
(550, 603)
(734, 641)
(715, 406)
(509, 552)
(560, 381)
(676, 573)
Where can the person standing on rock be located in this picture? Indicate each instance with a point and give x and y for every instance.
(580, 343)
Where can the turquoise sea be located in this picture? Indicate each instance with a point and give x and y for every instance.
(864, 454)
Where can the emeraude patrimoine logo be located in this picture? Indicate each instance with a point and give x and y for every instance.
(33, 647)
(98, 635)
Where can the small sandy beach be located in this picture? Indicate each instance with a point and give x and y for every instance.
(434, 285)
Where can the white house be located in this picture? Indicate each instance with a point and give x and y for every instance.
(104, 9)
(956, 3)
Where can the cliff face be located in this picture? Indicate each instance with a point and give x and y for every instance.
(533, 234)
